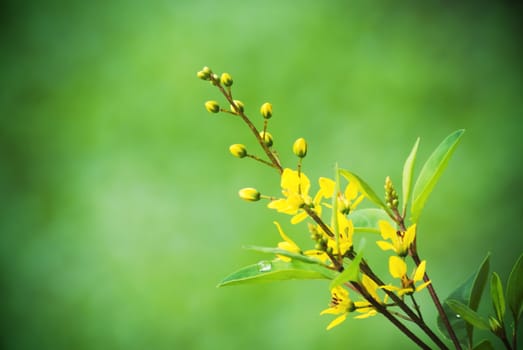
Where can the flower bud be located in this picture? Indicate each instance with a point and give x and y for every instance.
(267, 138)
(237, 107)
(238, 150)
(300, 147)
(204, 74)
(249, 194)
(266, 110)
(226, 79)
(212, 106)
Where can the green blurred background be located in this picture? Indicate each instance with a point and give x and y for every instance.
(119, 212)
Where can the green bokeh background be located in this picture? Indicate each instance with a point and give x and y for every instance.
(119, 211)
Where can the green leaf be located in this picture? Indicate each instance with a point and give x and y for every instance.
(468, 293)
(484, 345)
(431, 172)
(277, 270)
(468, 314)
(279, 251)
(365, 189)
(479, 283)
(515, 289)
(496, 293)
(408, 170)
(351, 272)
(366, 220)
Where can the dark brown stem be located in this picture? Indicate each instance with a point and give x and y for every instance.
(383, 310)
(318, 220)
(365, 268)
(437, 302)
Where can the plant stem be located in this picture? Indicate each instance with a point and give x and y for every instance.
(383, 310)
(437, 303)
(365, 268)
(268, 152)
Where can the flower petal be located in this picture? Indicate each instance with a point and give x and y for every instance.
(421, 286)
(397, 267)
(409, 236)
(385, 245)
(337, 321)
(387, 231)
(326, 187)
(420, 271)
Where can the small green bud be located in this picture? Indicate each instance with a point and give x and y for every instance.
(226, 79)
(267, 138)
(300, 147)
(238, 150)
(249, 194)
(391, 196)
(212, 106)
(495, 326)
(266, 110)
(237, 107)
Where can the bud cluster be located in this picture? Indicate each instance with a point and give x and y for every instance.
(391, 196)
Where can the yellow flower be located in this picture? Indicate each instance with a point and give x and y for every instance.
(295, 187)
(401, 241)
(347, 201)
(346, 231)
(365, 307)
(340, 305)
(398, 269)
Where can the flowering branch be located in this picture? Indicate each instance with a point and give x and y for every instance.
(333, 256)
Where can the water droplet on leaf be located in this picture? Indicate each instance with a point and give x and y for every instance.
(264, 266)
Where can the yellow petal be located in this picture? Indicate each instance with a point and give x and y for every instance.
(326, 187)
(385, 245)
(330, 311)
(420, 271)
(296, 219)
(351, 191)
(387, 231)
(397, 267)
(390, 288)
(337, 321)
(369, 313)
(287, 240)
(405, 291)
(409, 236)
(421, 286)
(370, 286)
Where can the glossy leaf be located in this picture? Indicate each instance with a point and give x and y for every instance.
(483, 345)
(469, 315)
(366, 220)
(468, 293)
(496, 293)
(277, 270)
(408, 170)
(279, 251)
(431, 172)
(515, 289)
(350, 274)
(365, 189)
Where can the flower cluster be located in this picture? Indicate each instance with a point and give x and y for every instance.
(330, 208)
